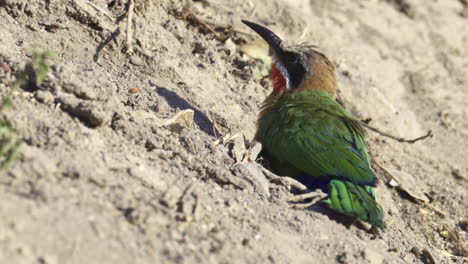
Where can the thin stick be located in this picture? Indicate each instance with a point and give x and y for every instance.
(435, 209)
(205, 22)
(399, 139)
(201, 22)
(129, 27)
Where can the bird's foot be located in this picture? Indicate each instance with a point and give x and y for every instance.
(366, 226)
(316, 196)
(305, 193)
(284, 180)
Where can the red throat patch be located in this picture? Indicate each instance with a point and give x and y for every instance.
(279, 83)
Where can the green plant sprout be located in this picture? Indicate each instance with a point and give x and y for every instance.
(32, 76)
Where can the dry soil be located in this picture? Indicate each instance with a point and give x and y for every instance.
(102, 178)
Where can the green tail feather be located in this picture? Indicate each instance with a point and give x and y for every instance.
(354, 200)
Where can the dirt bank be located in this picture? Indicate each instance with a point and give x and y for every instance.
(102, 178)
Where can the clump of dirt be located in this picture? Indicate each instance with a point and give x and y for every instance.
(105, 176)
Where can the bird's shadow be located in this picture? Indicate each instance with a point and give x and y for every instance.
(176, 101)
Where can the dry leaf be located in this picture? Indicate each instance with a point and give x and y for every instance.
(181, 120)
(408, 184)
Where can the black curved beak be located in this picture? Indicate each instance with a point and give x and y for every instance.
(271, 38)
(290, 63)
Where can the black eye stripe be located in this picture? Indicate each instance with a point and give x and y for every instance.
(292, 57)
(295, 59)
(295, 66)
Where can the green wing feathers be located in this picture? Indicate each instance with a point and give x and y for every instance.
(315, 135)
(351, 199)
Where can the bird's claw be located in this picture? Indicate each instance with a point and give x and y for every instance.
(316, 196)
(284, 180)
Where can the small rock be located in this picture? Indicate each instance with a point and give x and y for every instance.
(44, 97)
(393, 183)
(6, 68)
(230, 46)
(135, 60)
(134, 90)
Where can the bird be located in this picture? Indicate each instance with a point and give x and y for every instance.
(307, 135)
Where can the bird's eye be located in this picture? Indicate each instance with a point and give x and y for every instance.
(292, 58)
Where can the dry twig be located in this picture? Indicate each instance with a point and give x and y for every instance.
(399, 139)
(435, 209)
(187, 13)
(129, 27)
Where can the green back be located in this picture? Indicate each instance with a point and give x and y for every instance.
(314, 134)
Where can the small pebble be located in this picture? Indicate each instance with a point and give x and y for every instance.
(137, 61)
(6, 68)
(44, 97)
(134, 90)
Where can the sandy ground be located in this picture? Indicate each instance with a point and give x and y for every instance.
(101, 179)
